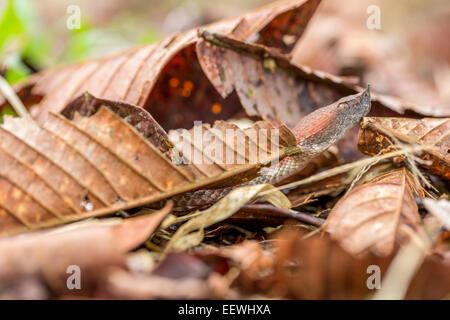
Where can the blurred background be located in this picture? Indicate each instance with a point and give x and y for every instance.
(408, 57)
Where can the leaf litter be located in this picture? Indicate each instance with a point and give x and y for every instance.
(100, 148)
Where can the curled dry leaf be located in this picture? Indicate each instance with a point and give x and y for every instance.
(376, 135)
(62, 170)
(370, 216)
(165, 77)
(185, 238)
(47, 255)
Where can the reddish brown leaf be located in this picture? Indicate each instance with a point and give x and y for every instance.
(370, 216)
(70, 170)
(270, 86)
(376, 136)
(132, 75)
(318, 268)
(46, 255)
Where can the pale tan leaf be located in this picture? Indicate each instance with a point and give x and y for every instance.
(225, 208)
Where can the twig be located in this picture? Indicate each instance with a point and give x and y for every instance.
(300, 216)
(12, 98)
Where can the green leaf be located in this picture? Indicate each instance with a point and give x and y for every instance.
(7, 110)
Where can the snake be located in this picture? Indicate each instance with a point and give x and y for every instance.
(314, 134)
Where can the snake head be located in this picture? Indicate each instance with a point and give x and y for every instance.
(322, 128)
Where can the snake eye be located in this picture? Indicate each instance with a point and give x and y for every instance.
(342, 105)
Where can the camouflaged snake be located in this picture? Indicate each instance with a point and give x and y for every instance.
(314, 133)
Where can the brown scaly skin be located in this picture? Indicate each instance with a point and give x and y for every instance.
(315, 133)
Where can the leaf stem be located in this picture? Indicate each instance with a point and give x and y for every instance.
(12, 98)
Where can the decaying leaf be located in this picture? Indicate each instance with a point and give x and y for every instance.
(337, 41)
(318, 268)
(131, 76)
(269, 85)
(376, 135)
(125, 285)
(201, 71)
(370, 216)
(66, 170)
(47, 255)
(206, 273)
(185, 238)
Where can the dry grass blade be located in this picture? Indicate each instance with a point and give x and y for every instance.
(12, 98)
(370, 216)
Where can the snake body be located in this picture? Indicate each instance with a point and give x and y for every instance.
(314, 133)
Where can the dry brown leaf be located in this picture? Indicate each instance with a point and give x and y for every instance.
(370, 216)
(65, 170)
(126, 285)
(409, 59)
(376, 135)
(208, 272)
(141, 76)
(318, 268)
(47, 255)
(269, 85)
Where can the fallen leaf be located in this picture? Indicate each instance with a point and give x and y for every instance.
(63, 170)
(132, 76)
(269, 85)
(376, 135)
(47, 255)
(406, 60)
(318, 268)
(369, 217)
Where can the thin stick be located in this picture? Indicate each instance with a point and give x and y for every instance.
(12, 98)
(300, 216)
